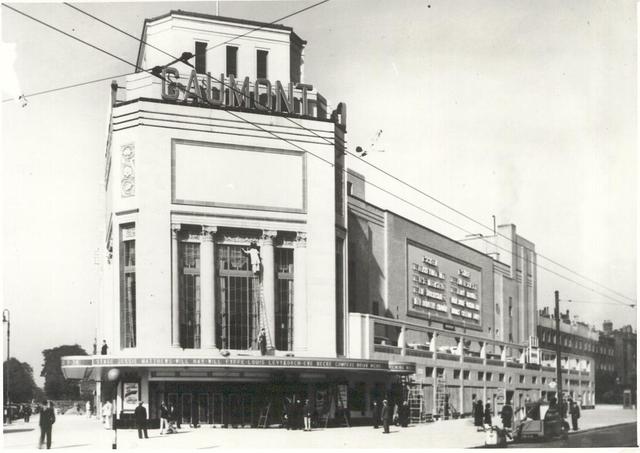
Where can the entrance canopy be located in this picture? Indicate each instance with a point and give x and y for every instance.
(90, 367)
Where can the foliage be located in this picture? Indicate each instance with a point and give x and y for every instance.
(55, 385)
(22, 387)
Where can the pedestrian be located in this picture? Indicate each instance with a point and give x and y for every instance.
(488, 415)
(478, 413)
(141, 420)
(575, 415)
(88, 408)
(105, 349)
(47, 419)
(27, 413)
(404, 414)
(507, 415)
(306, 413)
(386, 416)
(376, 415)
(164, 418)
(299, 413)
(262, 341)
(107, 413)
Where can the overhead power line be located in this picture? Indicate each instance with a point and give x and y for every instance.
(365, 181)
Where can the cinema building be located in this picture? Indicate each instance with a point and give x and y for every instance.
(205, 166)
(227, 213)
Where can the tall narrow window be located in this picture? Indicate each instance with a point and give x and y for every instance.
(284, 299)
(201, 57)
(128, 286)
(339, 296)
(232, 61)
(261, 63)
(189, 269)
(238, 294)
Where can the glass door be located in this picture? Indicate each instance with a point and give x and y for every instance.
(186, 408)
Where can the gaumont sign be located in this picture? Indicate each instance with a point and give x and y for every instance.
(272, 362)
(264, 97)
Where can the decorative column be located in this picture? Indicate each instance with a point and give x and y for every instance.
(300, 325)
(207, 289)
(175, 291)
(483, 349)
(268, 280)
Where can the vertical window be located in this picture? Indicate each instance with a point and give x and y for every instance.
(128, 286)
(201, 57)
(232, 61)
(189, 268)
(284, 299)
(510, 307)
(261, 64)
(340, 296)
(238, 310)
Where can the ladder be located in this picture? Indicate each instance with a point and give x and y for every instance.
(264, 416)
(262, 316)
(441, 395)
(414, 398)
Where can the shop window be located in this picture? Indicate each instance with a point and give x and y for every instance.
(128, 286)
(456, 374)
(501, 377)
(284, 299)
(465, 375)
(356, 397)
(189, 293)
(232, 61)
(201, 57)
(261, 63)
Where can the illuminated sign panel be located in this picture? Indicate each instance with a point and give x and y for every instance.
(442, 287)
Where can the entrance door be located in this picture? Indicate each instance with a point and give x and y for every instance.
(203, 408)
(216, 409)
(186, 408)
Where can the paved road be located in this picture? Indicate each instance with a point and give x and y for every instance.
(613, 436)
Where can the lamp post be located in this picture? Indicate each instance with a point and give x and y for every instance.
(114, 375)
(6, 317)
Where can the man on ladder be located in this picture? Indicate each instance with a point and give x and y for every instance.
(255, 261)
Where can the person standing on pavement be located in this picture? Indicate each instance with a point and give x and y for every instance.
(404, 414)
(306, 412)
(386, 416)
(478, 413)
(27, 413)
(487, 415)
(376, 415)
(574, 410)
(141, 420)
(47, 419)
(164, 418)
(507, 415)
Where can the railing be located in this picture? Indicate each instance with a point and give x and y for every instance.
(532, 366)
(419, 353)
(495, 362)
(386, 348)
(548, 368)
(447, 356)
(470, 359)
(514, 365)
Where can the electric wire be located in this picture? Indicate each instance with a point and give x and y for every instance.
(325, 160)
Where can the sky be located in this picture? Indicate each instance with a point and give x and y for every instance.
(525, 110)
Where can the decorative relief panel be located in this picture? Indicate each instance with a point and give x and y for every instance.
(128, 171)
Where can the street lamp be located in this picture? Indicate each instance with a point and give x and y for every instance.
(6, 317)
(113, 375)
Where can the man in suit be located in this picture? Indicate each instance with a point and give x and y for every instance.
(386, 416)
(141, 420)
(376, 415)
(47, 419)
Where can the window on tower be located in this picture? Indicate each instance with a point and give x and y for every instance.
(232, 61)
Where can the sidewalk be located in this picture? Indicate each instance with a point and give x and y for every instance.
(77, 431)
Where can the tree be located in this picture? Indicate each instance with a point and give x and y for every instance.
(56, 386)
(22, 387)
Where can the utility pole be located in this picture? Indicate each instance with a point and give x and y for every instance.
(6, 317)
(558, 354)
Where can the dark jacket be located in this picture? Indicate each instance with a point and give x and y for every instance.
(164, 412)
(306, 410)
(376, 412)
(387, 412)
(47, 418)
(140, 414)
(507, 414)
